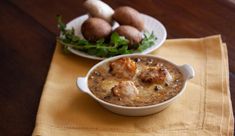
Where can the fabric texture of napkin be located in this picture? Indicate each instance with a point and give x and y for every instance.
(204, 109)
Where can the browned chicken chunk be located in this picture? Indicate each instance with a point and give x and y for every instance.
(155, 75)
(123, 68)
(125, 89)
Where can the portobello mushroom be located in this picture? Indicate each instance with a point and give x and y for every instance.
(94, 29)
(128, 16)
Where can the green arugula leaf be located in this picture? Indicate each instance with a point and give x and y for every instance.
(102, 52)
(92, 51)
(61, 25)
(118, 40)
(148, 41)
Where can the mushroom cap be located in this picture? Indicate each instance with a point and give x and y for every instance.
(128, 16)
(94, 29)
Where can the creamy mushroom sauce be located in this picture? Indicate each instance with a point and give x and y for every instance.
(136, 81)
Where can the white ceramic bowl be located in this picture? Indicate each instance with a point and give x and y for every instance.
(82, 83)
(151, 25)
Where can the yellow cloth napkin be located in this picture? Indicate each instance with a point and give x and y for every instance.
(204, 109)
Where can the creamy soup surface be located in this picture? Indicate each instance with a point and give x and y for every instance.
(136, 81)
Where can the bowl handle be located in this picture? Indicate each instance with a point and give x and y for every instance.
(188, 71)
(82, 85)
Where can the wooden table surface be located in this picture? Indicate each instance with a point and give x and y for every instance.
(27, 39)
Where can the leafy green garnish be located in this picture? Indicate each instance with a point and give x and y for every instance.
(148, 41)
(116, 46)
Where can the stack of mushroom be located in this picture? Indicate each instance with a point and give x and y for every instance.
(103, 17)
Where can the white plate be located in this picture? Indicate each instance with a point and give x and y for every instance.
(151, 25)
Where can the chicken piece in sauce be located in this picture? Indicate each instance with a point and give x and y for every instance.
(155, 75)
(125, 89)
(123, 68)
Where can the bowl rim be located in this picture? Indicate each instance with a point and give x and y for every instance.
(132, 107)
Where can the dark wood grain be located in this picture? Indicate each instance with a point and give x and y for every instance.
(27, 37)
(25, 54)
